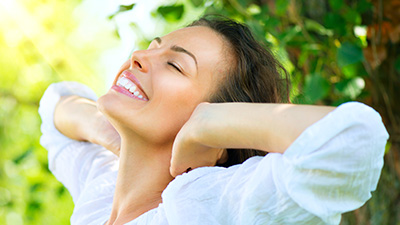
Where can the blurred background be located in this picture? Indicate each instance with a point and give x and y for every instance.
(335, 50)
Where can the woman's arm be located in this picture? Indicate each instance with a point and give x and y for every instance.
(330, 168)
(79, 119)
(266, 127)
(74, 163)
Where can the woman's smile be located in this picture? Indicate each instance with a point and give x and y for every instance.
(129, 85)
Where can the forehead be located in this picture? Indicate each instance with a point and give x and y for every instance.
(207, 45)
(196, 36)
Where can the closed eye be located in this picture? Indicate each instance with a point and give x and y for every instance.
(176, 67)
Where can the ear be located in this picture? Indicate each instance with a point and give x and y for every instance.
(223, 156)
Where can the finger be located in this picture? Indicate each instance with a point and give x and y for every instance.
(179, 167)
(175, 172)
(175, 168)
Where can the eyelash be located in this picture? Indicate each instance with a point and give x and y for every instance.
(173, 65)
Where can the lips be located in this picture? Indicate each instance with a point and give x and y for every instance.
(129, 85)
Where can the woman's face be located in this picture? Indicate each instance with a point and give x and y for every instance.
(157, 89)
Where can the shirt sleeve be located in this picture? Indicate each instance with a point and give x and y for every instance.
(74, 163)
(331, 168)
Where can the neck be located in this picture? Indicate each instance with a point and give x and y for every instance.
(142, 177)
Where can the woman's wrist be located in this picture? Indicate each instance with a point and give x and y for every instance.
(79, 119)
(214, 123)
(74, 117)
(93, 125)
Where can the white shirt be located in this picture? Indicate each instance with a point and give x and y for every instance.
(331, 168)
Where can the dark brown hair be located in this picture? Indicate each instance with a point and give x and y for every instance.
(253, 77)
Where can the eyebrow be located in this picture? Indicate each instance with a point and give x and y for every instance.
(179, 49)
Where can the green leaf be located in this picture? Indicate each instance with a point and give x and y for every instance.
(242, 3)
(350, 88)
(171, 13)
(34, 205)
(336, 4)
(61, 191)
(303, 57)
(271, 23)
(312, 25)
(316, 87)
(332, 20)
(281, 6)
(289, 34)
(254, 9)
(122, 8)
(352, 17)
(336, 22)
(349, 53)
(262, 15)
(350, 71)
(197, 3)
(23, 156)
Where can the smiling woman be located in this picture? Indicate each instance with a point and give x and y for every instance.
(192, 119)
(171, 78)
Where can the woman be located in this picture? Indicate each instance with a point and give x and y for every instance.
(323, 161)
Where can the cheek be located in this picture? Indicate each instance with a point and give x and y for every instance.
(180, 95)
(175, 104)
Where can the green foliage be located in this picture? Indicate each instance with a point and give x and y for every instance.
(316, 87)
(336, 5)
(349, 54)
(350, 88)
(38, 47)
(281, 7)
(171, 13)
(122, 8)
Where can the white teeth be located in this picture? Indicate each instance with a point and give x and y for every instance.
(132, 89)
(130, 86)
(123, 81)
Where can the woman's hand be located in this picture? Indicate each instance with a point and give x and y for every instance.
(79, 119)
(217, 126)
(192, 147)
(104, 134)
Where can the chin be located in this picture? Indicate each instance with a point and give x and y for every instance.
(106, 105)
(112, 107)
(131, 121)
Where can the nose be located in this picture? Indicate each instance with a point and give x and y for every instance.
(139, 60)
